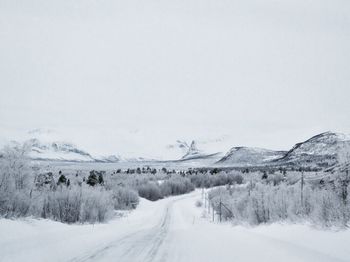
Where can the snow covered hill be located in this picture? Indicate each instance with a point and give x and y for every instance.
(323, 150)
(249, 156)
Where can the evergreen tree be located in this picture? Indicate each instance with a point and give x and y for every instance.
(264, 176)
(62, 180)
(100, 179)
(92, 179)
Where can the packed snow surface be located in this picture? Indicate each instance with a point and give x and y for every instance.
(172, 229)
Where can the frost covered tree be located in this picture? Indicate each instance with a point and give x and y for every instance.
(15, 180)
(14, 168)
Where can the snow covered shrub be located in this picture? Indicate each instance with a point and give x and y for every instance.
(199, 203)
(201, 180)
(258, 205)
(15, 205)
(327, 208)
(77, 204)
(171, 184)
(96, 205)
(124, 198)
(132, 180)
(270, 202)
(150, 191)
(62, 205)
(235, 178)
(176, 186)
(210, 179)
(45, 180)
(275, 179)
(221, 195)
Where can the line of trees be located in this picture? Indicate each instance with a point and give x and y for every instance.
(158, 190)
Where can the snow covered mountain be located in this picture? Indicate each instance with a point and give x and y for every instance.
(57, 151)
(323, 150)
(192, 151)
(185, 151)
(177, 149)
(63, 151)
(249, 156)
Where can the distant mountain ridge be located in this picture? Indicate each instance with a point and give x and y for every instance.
(320, 151)
(326, 151)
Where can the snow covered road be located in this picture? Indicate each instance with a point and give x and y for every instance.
(172, 229)
(139, 245)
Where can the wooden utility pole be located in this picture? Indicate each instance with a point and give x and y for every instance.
(345, 184)
(302, 188)
(250, 186)
(213, 213)
(208, 203)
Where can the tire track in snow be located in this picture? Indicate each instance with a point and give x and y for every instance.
(152, 253)
(142, 245)
(103, 249)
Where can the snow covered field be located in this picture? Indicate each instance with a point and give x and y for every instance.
(171, 229)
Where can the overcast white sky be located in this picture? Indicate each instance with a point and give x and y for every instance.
(267, 73)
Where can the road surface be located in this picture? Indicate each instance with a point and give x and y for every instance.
(171, 230)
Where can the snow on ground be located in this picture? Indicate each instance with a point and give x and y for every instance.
(172, 229)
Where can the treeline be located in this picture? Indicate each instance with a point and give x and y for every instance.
(157, 185)
(210, 179)
(173, 186)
